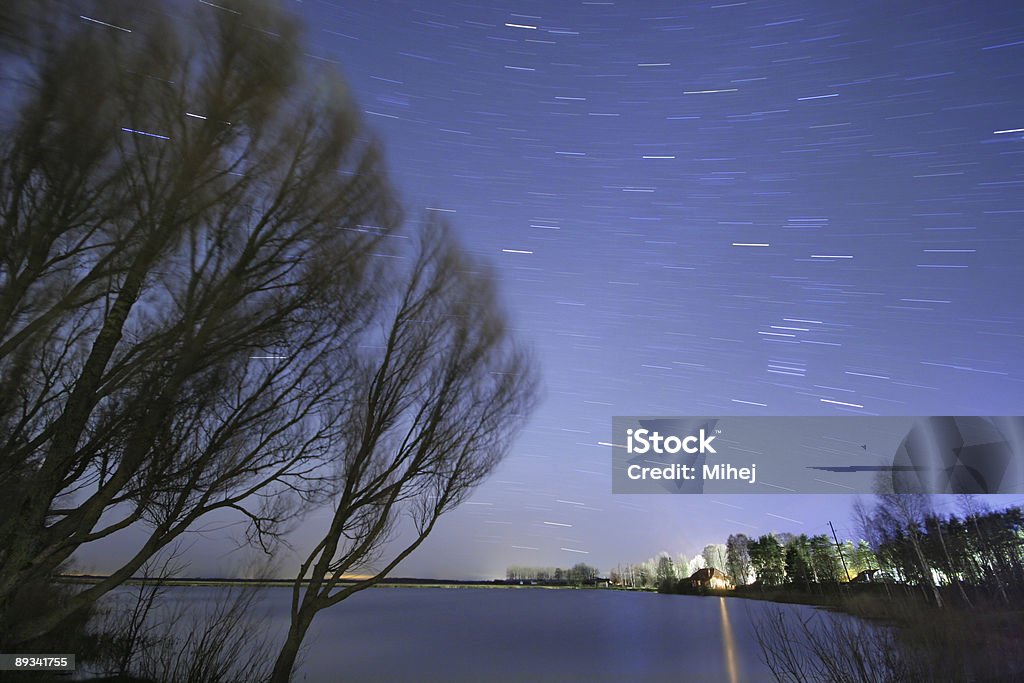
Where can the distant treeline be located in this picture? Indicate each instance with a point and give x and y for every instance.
(577, 575)
(186, 581)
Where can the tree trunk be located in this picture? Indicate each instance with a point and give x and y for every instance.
(949, 563)
(926, 571)
(290, 650)
(991, 554)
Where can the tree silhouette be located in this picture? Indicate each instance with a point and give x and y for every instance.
(206, 306)
(440, 402)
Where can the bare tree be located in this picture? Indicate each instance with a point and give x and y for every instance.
(442, 398)
(127, 629)
(900, 515)
(223, 639)
(665, 571)
(737, 558)
(823, 646)
(197, 307)
(714, 555)
(972, 509)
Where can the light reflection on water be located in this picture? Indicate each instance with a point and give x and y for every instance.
(729, 642)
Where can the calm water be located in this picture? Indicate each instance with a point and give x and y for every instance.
(482, 634)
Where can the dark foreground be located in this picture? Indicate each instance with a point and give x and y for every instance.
(978, 640)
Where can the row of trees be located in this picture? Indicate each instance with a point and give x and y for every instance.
(978, 552)
(664, 568)
(210, 305)
(770, 560)
(778, 559)
(579, 574)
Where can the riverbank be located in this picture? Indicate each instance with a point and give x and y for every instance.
(957, 642)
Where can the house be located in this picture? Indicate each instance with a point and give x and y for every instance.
(710, 578)
(873, 576)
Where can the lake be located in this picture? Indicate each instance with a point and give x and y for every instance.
(524, 634)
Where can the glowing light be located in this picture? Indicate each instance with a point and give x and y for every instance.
(729, 642)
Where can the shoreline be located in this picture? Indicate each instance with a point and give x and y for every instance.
(398, 582)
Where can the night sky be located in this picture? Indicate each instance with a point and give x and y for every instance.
(705, 208)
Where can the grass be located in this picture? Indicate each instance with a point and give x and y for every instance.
(953, 643)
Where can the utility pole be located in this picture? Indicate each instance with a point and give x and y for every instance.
(840, 549)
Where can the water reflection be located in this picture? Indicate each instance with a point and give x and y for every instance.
(467, 635)
(728, 642)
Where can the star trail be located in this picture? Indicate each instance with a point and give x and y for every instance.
(706, 209)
